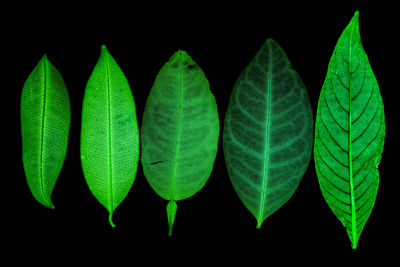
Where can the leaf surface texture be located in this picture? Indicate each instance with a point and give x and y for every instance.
(109, 134)
(349, 133)
(267, 137)
(45, 123)
(180, 130)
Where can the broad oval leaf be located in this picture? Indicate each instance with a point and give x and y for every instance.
(45, 123)
(267, 137)
(349, 133)
(180, 130)
(109, 134)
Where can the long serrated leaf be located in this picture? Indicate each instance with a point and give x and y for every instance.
(45, 122)
(349, 133)
(180, 130)
(267, 136)
(109, 134)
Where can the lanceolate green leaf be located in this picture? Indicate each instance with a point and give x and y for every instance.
(45, 121)
(109, 135)
(349, 133)
(180, 130)
(267, 136)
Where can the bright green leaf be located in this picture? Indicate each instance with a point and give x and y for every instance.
(349, 134)
(180, 130)
(267, 137)
(45, 122)
(109, 135)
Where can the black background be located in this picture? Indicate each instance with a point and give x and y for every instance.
(222, 40)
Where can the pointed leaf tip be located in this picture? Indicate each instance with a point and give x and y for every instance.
(354, 244)
(48, 203)
(259, 223)
(355, 17)
(44, 59)
(104, 49)
(271, 43)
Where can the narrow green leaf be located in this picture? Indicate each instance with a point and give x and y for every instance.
(180, 130)
(349, 133)
(109, 134)
(45, 122)
(267, 137)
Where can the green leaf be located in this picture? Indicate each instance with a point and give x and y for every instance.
(109, 135)
(349, 133)
(180, 130)
(45, 122)
(267, 137)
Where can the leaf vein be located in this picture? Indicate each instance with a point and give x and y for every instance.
(329, 167)
(370, 142)
(243, 147)
(365, 107)
(334, 140)
(337, 100)
(361, 89)
(333, 118)
(330, 153)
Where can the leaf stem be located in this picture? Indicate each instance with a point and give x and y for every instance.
(110, 219)
(171, 211)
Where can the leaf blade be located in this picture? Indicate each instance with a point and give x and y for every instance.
(257, 114)
(349, 133)
(45, 123)
(180, 130)
(109, 134)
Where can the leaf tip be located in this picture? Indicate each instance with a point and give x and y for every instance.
(178, 55)
(44, 59)
(270, 41)
(182, 53)
(48, 203)
(272, 44)
(104, 49)
(259, 223)
(355, 18)
(354, 244)
(356, 14)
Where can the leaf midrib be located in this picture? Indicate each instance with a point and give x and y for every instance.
(43, 129)
(266, 144)
(111, 196)
(178, 138)
(352, 197)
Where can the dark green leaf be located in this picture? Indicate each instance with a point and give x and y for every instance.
(268, 132)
